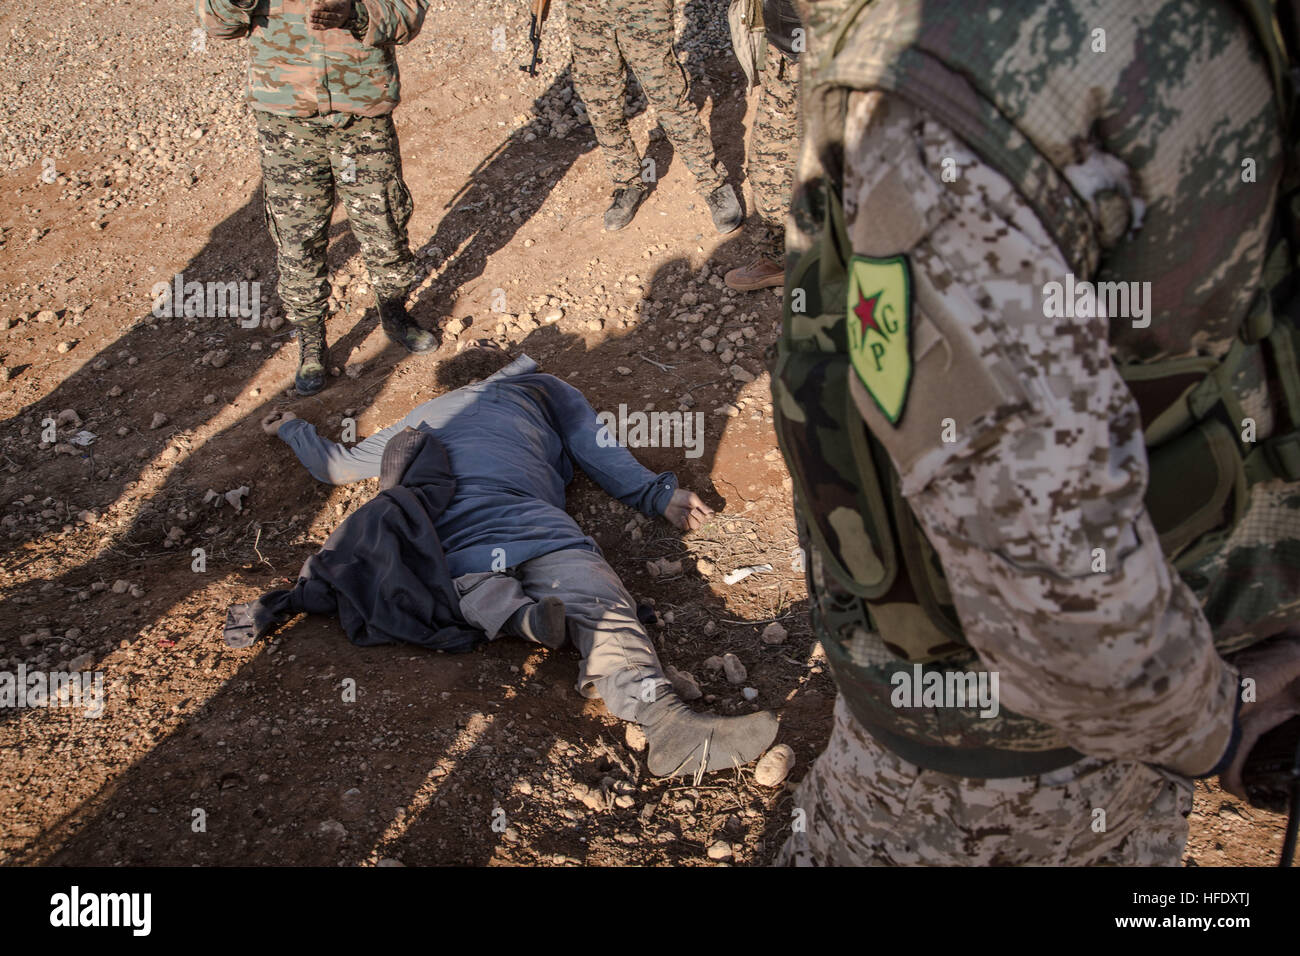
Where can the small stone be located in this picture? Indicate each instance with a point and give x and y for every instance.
(121, 587)
(137, 591)
(236, 497)
(734, 670)
(209, 399)
(159, 420)
(217, 358)
(720, 851)
(663, 568)
(63, 348)
(623, 370)
(635, 738)
(81, 662)
(740, 375)
(68, 417)
(683, 683)
(115, 391)
(774, 633)
(774, 766)
(332, 829)
(749, 693)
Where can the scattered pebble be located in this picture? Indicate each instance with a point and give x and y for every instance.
(683, 683)
(633, 735)
(774, 766)
(734, 669)
(720, 851)
(236, 497)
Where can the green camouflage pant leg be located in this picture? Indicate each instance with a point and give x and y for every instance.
(861, 805)
(367, 166)
(298, 198)
(645, 35)
(770, 168)
(600, 79)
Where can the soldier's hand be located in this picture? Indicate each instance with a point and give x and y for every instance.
(1275, 668)
(686, 510)
(329, 14)
(271, 423)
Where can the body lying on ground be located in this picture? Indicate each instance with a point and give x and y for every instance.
(520, 565)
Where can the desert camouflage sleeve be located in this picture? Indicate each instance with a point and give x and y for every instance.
(393, 21)
(1040, 483)
(226, 19)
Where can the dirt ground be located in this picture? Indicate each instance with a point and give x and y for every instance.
(261, 745)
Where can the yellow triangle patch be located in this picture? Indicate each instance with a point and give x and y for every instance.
(879, 323)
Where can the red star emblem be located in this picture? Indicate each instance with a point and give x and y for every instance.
(865, 310)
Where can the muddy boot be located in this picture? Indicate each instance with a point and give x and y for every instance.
(623, 208)
(399, 327)
(727, 214)
(682, 741)
(759, 274)
(312, 355)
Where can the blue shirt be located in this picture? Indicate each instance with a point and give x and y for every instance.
(513, 440)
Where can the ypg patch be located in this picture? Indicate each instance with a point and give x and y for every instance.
(880, 330)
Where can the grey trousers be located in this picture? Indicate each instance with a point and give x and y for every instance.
(619, 663)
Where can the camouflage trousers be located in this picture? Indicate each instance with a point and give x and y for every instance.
(770, 165)
(306, 163)
(611, 35)
(863, 806)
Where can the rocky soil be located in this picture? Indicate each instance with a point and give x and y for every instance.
(127, 441)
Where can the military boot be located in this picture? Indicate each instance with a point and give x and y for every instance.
(401, 329)
(312, 354)
(623, 208)
(725, 207)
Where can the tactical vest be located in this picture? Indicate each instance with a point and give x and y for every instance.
(879, 598)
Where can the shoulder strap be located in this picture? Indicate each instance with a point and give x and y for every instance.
(953, 100)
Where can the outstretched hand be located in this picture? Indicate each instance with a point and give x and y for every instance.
(271, 423)
(686, 510)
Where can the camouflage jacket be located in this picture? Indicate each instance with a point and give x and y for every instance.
(1020, 448)
(297, 71)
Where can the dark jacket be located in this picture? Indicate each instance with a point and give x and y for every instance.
(382, 571)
